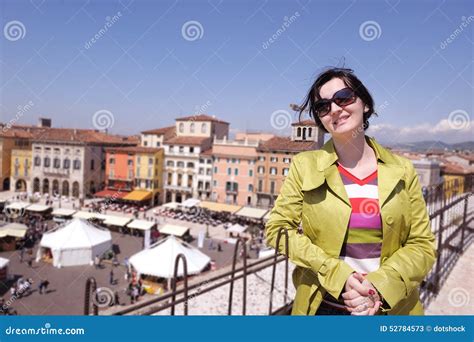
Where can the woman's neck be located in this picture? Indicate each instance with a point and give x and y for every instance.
(352, 151)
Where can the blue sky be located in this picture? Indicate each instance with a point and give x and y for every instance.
(144, 71)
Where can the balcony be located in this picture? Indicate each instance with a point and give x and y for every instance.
(57, 172)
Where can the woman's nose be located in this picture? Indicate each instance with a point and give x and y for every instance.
(335, 108)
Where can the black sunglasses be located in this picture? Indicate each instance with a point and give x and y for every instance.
(342, 98)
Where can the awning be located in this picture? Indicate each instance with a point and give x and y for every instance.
(253, 213)
(118, 221)
(87, 215)
(138, 196)
(213, 206)
(13, 229)
(141, 224)
(18, 205)
(111, 194)
(4, 262)
(171, 205)
(237, 228)
(190, 202)
(38, 208)
(63, 212)
(170, 229)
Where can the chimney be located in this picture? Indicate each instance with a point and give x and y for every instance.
(44, 122)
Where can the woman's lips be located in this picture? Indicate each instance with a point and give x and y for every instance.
(341, 120)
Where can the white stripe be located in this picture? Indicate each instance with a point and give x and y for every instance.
(362, 191)
(363, 265)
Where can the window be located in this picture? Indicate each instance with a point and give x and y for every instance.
(145, 143)
(92, 164)
(191, 128)
(233, 160)
(273, 170)
(181, 149)
(209, 172)
(285, 171)
(169, 178)
(111, 161)
(191, 149)
(139, 160)
(260, 185)
(310, 131)
(215, 169)
(250, 188)
(171, 148)
(261, 158)
(250, 173)
(204, 128)
(298, 132)
(130, 174)
(150, 172)
(261, 170)
(170, 163)
(150, 161)
(56, 150)
(47, 162)
(287, 160)
(77, 164)
(66, 164)
(56, 163)
(236, 172)
(191, 165)
(201, 170)
(181, 127)
(181, 164)
(158, 144)
(215, 183)
(130, 162)
(272, 187)
(111, 173)
(273, 159)
(37, 161)
(229, 171)
(138, 171)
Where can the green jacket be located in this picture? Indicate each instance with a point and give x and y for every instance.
(313, 195)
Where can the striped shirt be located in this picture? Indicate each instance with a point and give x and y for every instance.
(363, 242)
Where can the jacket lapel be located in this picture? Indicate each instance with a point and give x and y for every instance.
(389, 172)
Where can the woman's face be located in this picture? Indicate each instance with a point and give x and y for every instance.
(341, 121)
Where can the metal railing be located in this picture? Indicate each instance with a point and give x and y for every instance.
(450, 220)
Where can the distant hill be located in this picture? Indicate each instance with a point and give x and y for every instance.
(432, 145)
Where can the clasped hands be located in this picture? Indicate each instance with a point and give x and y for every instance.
(360, 296)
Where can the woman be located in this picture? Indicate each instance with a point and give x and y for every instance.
(366, 242)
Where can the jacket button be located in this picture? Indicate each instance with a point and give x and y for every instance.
(323, 270)
(389, 219)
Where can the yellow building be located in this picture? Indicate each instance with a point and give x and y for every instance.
(149, 172)
(453, 185)
(20, 171)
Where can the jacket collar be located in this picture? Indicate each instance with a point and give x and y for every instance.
(390, 171)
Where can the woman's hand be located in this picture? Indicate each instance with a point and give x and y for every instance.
(361, 298)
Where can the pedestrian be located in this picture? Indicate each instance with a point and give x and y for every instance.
(43, 286)
(96, 261)
(111, 276)
(219, 247)
(116, 298)
(30, 262)
(22, 253)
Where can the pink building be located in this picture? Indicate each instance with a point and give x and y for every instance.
(234, 170)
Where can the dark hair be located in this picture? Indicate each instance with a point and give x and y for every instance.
(350, 80)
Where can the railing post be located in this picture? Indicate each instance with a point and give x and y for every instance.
(231, 292)
(272, 286)
(440, 251)
(464, 223)
(175, 280)
(91, 287)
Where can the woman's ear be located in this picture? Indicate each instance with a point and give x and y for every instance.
(366, 109)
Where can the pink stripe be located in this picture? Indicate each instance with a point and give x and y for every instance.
(366, 221)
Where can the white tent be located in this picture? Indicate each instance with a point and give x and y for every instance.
(159, 259)
(75, 243)
(237, 228)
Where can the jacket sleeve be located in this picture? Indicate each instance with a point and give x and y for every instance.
(403, 271)
(332, 272)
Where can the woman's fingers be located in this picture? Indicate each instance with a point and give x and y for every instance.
(357, 301)
(373, 311)
(352, 294)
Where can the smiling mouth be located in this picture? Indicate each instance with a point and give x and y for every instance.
(340, 120)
